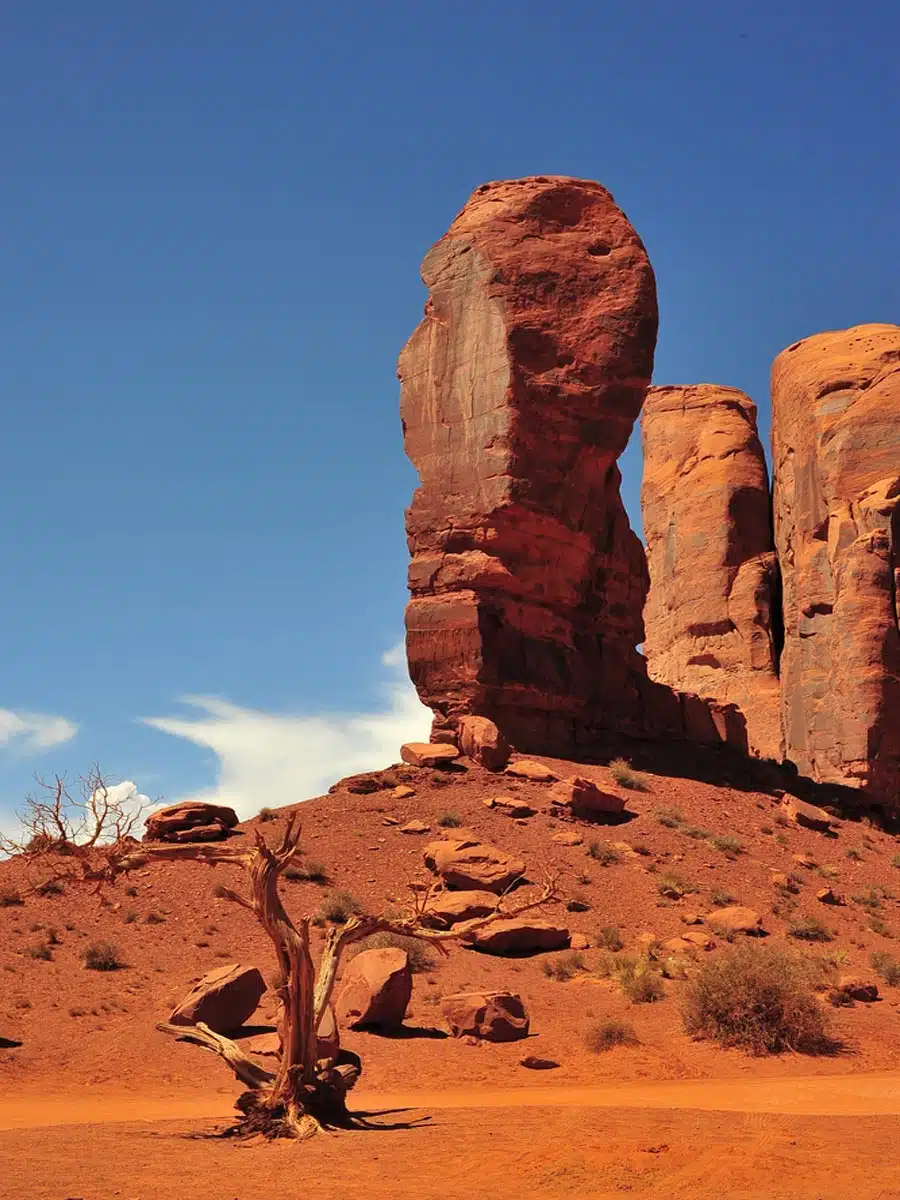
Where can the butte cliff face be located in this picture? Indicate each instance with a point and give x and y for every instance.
(836, 458)
(712, 620)
(519, 391)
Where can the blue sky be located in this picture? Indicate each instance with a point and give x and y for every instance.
(214, 215)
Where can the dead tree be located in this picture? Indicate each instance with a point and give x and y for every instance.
(305, 1093)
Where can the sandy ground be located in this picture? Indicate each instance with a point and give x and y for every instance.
(521, 1143)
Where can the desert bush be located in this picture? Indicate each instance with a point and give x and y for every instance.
(131, 891)
(827, 872)
(673, 885)
(625, 777)
(610, 938)
(309, 872)
(603, 853)
(642, 849)
(853, 854)
(604, 1035)
(696, 832)
(670, 817)
(417, 952)
(757, 997)
(719, 898)
(870, 899)
(339, 906)
(810, 929)
(639, 980)
(767, 830)
(578, 903)
(266, 814)
(102, 956)
(886, 967)
(895, 861)
(729, 846)
(155, 918)
(564, 966)
(130, 917)
(449, 820)
(42, 952)
(10, 896)
(878, 926)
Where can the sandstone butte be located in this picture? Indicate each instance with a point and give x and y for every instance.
(712, 619)
(519, 390)
(836, 465)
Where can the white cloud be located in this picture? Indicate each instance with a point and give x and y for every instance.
(275, 759)
(29, 733)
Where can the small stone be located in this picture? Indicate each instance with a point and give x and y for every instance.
(512, 806)
(579, 941)
(536, 772)
(696, 937)
(533, 1063)
(403, 792)
(827, 895)
(804, 860)
(390, 820)
(415, 827)
(856, 988)
(691, 918)
(567, 838)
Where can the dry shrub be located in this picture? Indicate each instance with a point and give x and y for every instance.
(102, 956)
(10, 897)
(339, 906)
(606, 1034)
(564, 966)
(623, 774)
(759, 998)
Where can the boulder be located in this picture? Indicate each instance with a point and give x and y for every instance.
(465, 863)
(807, 815)
(519, 390)
(450, 908)
(482, 741)
(712, 609)
(579, 941)
(519, 935)
(193, 821)
(225, 999)
(827, 895)
(428, 754)
(534, 772)
(584, 799)
(375, 989)
(488, 1016)
(736, 919)
(865, 990)
(836, 464)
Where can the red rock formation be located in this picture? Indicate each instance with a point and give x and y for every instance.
(836, 456)
(519, 391)
(713, 573)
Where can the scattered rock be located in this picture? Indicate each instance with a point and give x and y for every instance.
(512, 806)
(532, 1063)
(519, 935)
(390, 820)
(403, 792)
(482, 741)
(375, 989)
(450, 908)
(428, 754)
(584, 799)
(415, 827)
(807, 815)
(785, 883)
(691, 918)
(696, 937)
(804, 860)
(579, 941)
(466, 863)
(827, 895)
(535, 772)
(736, 919)
(567, 838)
(224, 999)
(486, 1016)
(193, 821)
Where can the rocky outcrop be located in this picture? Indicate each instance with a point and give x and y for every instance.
(519, 391)
(224, 999)
(193, 821)
(836, 460)
(712, 616)
(375, 990)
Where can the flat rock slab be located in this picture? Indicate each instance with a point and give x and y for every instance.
(519, 936)
(428, 754)
(535, 772)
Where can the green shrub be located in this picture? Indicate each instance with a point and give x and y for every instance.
(757, 997)
(564, 966)
(102, 956)
(339, 906)
(810, 929)
(625, 777)
(639, 980)
(449, 820)
(603, 853)
(607, 1034)
(610, 938)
